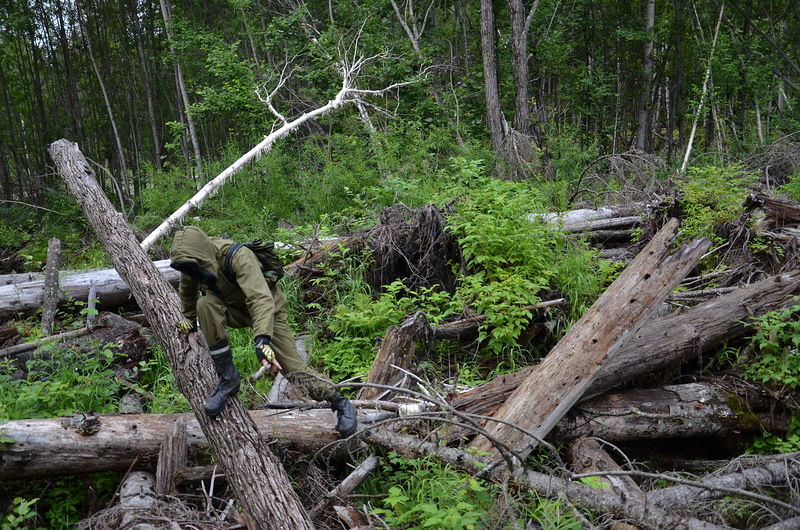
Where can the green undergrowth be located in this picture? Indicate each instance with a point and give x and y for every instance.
(426, 493)
(776, 364)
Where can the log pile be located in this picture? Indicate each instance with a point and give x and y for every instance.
(590, 394)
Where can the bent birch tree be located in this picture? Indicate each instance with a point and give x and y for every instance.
(348, 93)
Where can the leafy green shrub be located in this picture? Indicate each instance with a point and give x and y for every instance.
(158, 380)
(777, 363)
(360, 320)
(427, 494)
(512, 258)
(777, 343)
(60, 386)
(19, 514)
(712, 196)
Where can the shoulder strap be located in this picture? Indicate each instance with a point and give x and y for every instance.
(232, 250)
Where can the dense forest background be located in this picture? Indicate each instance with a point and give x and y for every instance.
(491, 111)
(162, 96)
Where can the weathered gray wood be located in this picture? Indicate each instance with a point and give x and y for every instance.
(51, 286)
(568, 370)
(752, 472)
(255, 474)
(349, 484)
(668, 341)
(47, 448)
(674, 411)
(171, 457)
(28, 346)
(111, 289)
(588, 456)
(397, 349)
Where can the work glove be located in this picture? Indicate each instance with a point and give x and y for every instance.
(186, 326)
(264, 351)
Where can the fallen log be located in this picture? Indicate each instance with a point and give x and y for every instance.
(396, 349)
(675, 411)
(587, 455)
(55, 447)
(762, 471)
(111, 289)
(565, 374)
(668, 341)
(24, 292)
(707, 408)
(111, 442)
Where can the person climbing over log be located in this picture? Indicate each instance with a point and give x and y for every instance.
(243, 299)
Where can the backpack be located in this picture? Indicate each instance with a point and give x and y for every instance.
(271, 265)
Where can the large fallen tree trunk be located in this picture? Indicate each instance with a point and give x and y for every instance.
(261, 484)
(568, 370)
(676, 411)
(112, 291)
(111, 442)
(82, 444)
(668, 341)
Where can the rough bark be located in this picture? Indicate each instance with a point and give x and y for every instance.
(50, 297)
(51, 447)
(396, 350)
(715, 408)
(494, 116)
(348, 485)
(709, 408)
(749, 473)
(56, 447)
(668, 340)
(261, 484)
(568, 370)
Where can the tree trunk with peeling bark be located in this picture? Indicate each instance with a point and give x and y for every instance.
(262, 486)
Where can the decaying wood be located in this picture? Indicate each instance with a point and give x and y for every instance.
(568, 370)
(349, 484)
(50, 447)
(261, 484)
(396, 350)
(750, 472)
(674, 411)
(51, 286)
(709, 408)
(668, 341)
(29, 346)
(109, 329)
(171, 457)
(587, 455)
(45, 447)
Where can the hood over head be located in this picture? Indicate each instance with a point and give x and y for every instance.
(194, 253)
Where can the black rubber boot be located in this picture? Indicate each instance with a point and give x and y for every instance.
(228, 381)
(346, 414)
